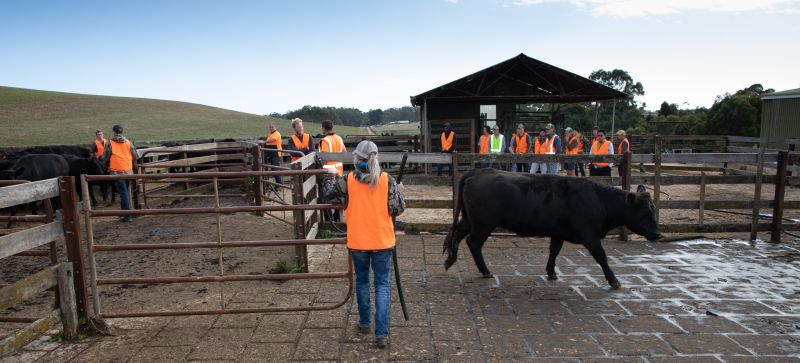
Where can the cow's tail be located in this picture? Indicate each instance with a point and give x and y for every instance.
(450, 245)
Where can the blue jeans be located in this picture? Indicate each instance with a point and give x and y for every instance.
(381, 265)
(439, 169)
(124, 198)
(579, 168)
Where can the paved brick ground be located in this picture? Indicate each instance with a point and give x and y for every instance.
(706, 301)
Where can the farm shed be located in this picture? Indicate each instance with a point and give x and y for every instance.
(780, 115)
(505, 94)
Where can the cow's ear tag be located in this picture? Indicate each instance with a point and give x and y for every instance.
(631, 198)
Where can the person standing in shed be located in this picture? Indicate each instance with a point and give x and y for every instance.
(624, 147)
(448, 143)
(520, 145)
(300, 141)
(483, 144)
(119, 158)
(601, 146)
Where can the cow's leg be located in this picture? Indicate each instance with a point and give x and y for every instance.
(475, 241)
(453, 239)
(596, 249)
(555, 249)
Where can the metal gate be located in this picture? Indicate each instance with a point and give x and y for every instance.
(94, 247)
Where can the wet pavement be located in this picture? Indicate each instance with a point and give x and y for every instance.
(699, 301)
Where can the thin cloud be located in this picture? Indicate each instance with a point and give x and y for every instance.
(452, 1)
(638, 8)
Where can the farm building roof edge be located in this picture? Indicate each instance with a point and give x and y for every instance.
(546, 78)
(792, 93)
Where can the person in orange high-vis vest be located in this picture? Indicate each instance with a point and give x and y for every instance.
(99, 144)
(601, 146)
(448, 143)
(540, 146)
(520, 145)
(300, 141)
(580, 168)
(273, 141)
(120, 158)
(483, 144)
(572, 148)
(624, 147)
(332, 143)
(371, 198)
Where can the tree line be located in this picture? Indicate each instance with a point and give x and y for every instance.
(352, 116)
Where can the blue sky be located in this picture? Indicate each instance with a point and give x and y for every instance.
(261, 57)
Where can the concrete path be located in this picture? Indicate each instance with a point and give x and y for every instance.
(706, 301)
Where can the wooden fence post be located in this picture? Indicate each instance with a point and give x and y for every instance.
(66, 303)
(626, 186)
(757, 190)
(780, 190)
(657, 175)
(72, 240)
(300, 251)
(791, 150)
(258, 181)
(727, 142)
(454, 167)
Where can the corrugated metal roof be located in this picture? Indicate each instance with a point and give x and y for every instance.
(792, 93)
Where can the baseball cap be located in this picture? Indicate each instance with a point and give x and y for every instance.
(117, 129)
(521, 126)
(568, 129)
(495, 127)
(365, 148)
(548, 126)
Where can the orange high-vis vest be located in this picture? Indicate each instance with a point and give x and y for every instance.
(333, 144)
(100, 145)
(121, 158)
(300, 145)
(577, 148)
(277, 142)
(369, 225)
(600, 150)
(447, 141)
(624, 146)
(521, 143)
(484, 144)
(543, 148)
(580, 145)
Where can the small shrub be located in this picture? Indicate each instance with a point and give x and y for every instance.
(283, 267)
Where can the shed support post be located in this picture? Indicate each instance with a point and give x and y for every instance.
(657, 175)
(780, 191)
(757, 190)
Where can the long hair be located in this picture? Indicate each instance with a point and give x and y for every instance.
(373, 169)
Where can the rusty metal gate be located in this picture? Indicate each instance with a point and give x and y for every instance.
(94, 247)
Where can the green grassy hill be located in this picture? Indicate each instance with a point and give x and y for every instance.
(32, 117)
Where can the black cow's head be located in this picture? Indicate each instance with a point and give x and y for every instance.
(640, 214)
(11, 174)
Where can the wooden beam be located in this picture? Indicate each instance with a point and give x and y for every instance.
(757, 192)
(67, 304)
(309, 160)
(780, 193)
(28, 287)
(28, 192)
(27, 334)
(24, 240)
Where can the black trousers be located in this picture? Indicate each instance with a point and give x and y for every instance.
(599, 171)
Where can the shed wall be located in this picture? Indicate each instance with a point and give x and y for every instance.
(780, 118)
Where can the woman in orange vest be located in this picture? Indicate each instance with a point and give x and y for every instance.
(540, 146)
(371, 198)
(572, 148)
(601, 146)
(448, 143)
(119, 158)
(332, 143)
(300, 141)
(483, 144)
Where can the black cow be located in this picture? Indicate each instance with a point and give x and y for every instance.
(60, 150)
(36, 167)
(562, 208)
(86, 166)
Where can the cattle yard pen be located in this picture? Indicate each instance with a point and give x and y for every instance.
(658, 178)
(64, 278)
(304, 210)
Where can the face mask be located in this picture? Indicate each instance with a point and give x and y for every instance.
(362, 165)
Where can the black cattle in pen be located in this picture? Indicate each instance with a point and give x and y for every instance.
(563, 208)
(87, 166)
(36, 167)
